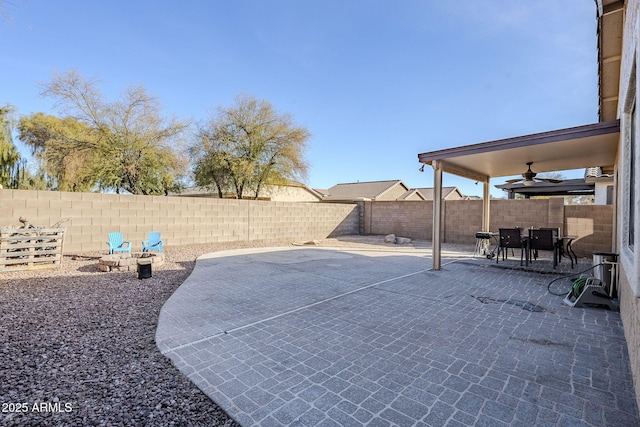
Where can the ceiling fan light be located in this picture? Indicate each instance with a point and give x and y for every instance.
(528, 182)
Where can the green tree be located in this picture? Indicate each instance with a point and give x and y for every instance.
(67, 150)
(211, 170)
(248, 146)
(9, 155)
(138, 148)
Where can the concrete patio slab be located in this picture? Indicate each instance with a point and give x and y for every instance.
(371, 336)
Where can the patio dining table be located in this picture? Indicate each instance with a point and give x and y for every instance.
(564, 244)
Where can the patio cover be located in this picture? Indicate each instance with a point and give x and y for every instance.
(571, 148)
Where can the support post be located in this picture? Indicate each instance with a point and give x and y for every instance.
(437, 214)
(486, 205)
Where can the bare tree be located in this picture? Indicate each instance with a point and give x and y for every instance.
(135, 143)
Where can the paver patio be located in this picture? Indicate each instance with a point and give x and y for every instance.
(371, 336)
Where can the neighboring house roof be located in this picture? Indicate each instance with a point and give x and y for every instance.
(373, 190)
(448, 193)
(293, 191)
(413, 194)
(322, 191)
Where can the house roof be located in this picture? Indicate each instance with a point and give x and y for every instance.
(411, 193)
(354, 190)
(446, 191)
(322, 191)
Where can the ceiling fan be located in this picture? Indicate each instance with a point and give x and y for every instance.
(529, 177)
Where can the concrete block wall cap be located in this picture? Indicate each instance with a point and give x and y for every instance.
(144, 261)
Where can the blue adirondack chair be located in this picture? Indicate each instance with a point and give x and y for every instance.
(153, 242)
(117, 244)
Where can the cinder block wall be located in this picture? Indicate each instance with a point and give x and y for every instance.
(519, 213)
(190, 220)
(407, 218)
(461, 220)
(181, 220)
(590, 224)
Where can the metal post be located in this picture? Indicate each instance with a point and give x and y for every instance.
(486, 200)
(437, 213)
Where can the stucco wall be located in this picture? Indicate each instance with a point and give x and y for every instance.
(181, 220)
(630, 313)
(629, 92)
(288, 193)
(393, 193)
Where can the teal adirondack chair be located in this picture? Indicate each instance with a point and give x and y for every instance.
(153, 242)
(117, 244)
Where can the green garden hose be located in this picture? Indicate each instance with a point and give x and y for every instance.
(577, 285)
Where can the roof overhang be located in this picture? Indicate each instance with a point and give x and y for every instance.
(610, 15)
(564, 149)
(568, 187)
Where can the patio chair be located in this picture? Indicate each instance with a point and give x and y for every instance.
(153, 242)
(117, 244)
(510, 238)
(544, 239)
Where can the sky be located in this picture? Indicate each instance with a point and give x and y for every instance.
(375, 82)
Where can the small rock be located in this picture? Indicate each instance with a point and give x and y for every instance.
(390, 238)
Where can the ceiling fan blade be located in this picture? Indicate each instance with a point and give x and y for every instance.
(555, 181)
(511, 181)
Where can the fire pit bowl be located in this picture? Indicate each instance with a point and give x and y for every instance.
(128, 262)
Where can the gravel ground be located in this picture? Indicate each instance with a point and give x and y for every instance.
(77, 345)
